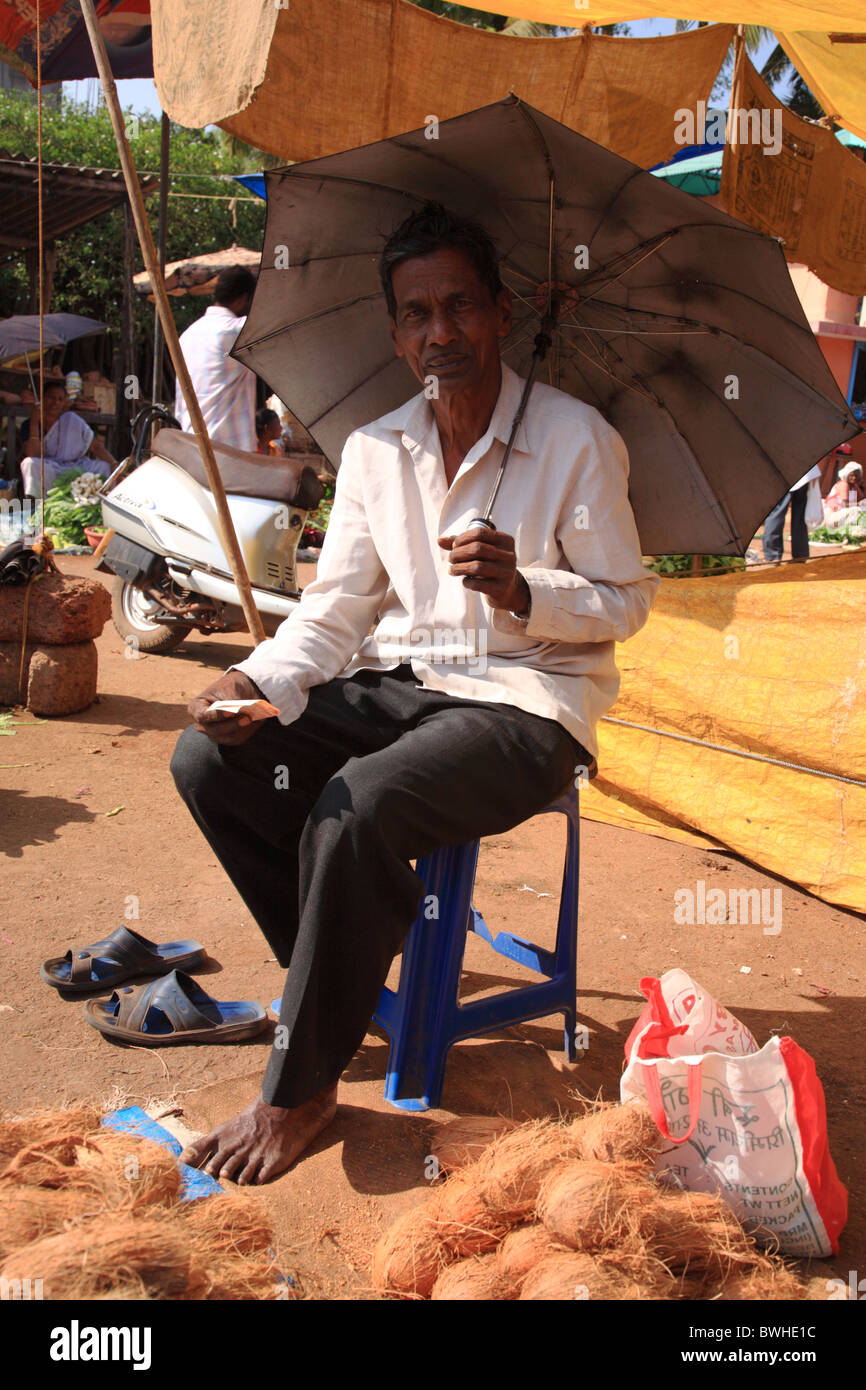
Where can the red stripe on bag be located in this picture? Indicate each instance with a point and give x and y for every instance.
(652, 1088)
(829, 1192)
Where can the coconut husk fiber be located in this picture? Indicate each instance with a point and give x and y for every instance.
(576, 1275)
(99, 1215)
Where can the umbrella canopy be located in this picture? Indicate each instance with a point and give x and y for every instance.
(21, 333)
(198, 274)
(680, 324)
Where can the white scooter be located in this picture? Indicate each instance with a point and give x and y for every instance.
(172, 575)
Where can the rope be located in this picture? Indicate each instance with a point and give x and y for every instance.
(40, 251)
(737, 752)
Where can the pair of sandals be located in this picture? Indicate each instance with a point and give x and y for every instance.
(172, 1008)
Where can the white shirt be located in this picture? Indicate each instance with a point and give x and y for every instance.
(226, 389)
(814, 473)
(564, 498)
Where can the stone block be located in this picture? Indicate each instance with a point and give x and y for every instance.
(62, 609)
(59, 679)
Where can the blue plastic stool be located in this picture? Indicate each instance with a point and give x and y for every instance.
(424, 1017)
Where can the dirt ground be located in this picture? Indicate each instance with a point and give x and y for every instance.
(73, 872)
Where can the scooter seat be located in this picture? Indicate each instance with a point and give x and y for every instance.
(290, 480)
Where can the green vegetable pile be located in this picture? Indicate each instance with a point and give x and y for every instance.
(66, 517)
(679, 564)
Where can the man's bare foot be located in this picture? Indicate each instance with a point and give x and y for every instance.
(262, 1140)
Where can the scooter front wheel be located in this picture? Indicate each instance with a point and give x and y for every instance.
(132, 613)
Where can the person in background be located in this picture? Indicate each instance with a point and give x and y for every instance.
(774, 526)
(849, 490)
(269, 432)
(226, 389)
(69, 442)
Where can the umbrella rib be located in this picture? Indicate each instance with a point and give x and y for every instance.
(625, 270)
(712, 329)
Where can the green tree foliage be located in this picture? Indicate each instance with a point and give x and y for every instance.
(89, 258)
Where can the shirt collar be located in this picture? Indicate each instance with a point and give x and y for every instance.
(414, 420)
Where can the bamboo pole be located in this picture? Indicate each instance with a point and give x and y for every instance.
(224, 521)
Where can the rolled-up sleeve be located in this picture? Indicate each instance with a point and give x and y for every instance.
(335, 611)
(606, 593)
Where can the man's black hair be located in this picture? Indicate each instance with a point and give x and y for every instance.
(54, 386)
(265, 416)
(231, 283)
(431, 228)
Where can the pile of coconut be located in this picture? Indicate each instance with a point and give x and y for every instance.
(96, 1214)
(569, 1210)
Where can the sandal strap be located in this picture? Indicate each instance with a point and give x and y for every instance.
(125, 949)
(171, 995)
(80, 966)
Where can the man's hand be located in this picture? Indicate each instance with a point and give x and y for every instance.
(488, 563)
(226, 728)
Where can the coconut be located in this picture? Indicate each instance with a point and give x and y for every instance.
(466, 1223)
(587, 1205)
(696, 1232)
(462, 1141)
(616, 1133)
(574, 1276)
(410, 1255)
(522, 1250)
(475, 1279)
(511, 1171)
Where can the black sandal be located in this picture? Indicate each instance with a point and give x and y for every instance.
(122, 956)
(173, 1010)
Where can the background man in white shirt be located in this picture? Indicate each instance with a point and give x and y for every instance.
(226, 389)
(509, 637)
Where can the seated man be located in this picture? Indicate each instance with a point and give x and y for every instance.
(68, 443)
(469, 708)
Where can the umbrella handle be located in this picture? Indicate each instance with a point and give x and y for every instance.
(482, 521)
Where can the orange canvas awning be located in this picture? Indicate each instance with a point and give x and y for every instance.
(308, 81)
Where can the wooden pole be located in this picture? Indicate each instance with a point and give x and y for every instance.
(164, 145)
(145, 239)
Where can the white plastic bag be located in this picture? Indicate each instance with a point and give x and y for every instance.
(814, 504)
(748, 1123)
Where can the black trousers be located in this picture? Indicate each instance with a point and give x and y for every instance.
(316, 823)
(774, 527)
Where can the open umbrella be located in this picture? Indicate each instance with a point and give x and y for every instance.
(20, 334)
(197, 274)
(679, 323)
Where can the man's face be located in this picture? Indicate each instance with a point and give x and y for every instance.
(447, 325)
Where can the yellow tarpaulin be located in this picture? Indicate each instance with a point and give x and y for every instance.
(812, 193)
(771, 664)
(343, 73)
(835, 72)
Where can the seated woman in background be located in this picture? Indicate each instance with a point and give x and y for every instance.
(68, 443)
(848, 491)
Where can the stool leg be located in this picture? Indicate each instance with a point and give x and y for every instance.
(420, 1014)
(566, 930)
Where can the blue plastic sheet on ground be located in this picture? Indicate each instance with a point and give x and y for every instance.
(133, 1120)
